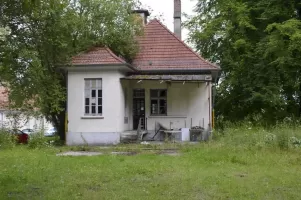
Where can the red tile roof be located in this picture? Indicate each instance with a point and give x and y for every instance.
(3, 98)
(97, 55)
(161, 49)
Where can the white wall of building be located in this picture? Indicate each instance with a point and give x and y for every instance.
(186, 103)
(96, 130)
(23, 122)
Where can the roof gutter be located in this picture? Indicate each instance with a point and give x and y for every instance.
(204, 71)
(85, 66)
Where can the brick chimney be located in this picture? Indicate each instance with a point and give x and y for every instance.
(143, 14)
(177, 18)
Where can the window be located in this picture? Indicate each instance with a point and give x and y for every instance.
(93, 96)
(158, 102)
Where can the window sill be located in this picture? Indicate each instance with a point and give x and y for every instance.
(92, 117)
(166, 116)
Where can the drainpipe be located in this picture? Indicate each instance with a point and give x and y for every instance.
(209, 98)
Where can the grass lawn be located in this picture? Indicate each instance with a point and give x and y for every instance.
(203, 171)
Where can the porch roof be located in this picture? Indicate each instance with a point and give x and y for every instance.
(170, 77)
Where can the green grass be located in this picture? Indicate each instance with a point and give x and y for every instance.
(221, 169)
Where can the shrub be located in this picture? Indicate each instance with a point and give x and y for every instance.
(270, 139)
(7, 140)
(38, 140)
(295, 142)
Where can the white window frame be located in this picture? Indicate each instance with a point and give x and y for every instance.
(93, 103)
(158, 98)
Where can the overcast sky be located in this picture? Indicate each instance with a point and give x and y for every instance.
(165, 8)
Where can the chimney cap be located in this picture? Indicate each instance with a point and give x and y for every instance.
(146, 12)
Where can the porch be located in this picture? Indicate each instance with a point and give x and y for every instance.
(172, 102)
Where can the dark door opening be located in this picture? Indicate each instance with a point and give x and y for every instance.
(138, 108)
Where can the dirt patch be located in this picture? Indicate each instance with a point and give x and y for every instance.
(79, 153)
(130, 153)
(242, 175)
(169, 152)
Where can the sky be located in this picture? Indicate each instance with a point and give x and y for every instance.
(166, 9)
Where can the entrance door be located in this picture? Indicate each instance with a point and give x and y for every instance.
(138, 108)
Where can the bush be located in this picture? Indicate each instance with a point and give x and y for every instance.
(245, 135)
(38, 140)
(283, 141)
(7, 140)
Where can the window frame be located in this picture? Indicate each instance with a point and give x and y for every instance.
(98, 97)
(158, 99)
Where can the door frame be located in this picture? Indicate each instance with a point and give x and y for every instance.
(134, 122)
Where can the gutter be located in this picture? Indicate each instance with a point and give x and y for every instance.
(85, 66)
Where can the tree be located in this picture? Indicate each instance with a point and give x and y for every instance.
(43, 37)
(256, 44)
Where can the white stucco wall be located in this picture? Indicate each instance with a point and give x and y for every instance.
(23, 122)
(101, 130)
(186, 103)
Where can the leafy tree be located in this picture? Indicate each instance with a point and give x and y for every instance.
(43, 37)
(257, 45)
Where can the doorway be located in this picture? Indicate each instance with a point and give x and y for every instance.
(138, 108)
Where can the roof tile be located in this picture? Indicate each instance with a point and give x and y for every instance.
(161, 49)
(97, 56)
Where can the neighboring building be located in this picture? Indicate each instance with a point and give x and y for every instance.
(14, 119)
(167, 82)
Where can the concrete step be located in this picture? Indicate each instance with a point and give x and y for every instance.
(128, 136)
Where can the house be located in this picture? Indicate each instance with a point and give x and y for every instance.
(10, 118)
(167, 82)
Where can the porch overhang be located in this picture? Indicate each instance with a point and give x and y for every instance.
(188, 78)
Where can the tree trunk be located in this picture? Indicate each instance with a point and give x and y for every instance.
(299, 114)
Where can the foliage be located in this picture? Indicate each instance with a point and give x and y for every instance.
(7, 140)
(43, 37)
(38, 140)
(257, 44)
(283, 136)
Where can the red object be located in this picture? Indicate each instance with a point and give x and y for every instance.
(23, 138)
(159, 49)
(97, 55)
(20, 136)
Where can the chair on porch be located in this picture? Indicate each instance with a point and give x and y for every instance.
(159, 128)
(140, 132)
